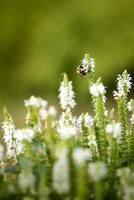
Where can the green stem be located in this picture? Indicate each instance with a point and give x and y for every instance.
(98, 191)
(81, 190)
(131, 146)
(122, 118)
(100, 127)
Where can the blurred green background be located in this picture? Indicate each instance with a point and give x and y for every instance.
(41, 39)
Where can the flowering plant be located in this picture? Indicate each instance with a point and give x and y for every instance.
(71, 157)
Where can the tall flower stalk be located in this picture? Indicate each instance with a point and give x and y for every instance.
(123, 87)
(66, 94)
(8, 137)
(97, 90)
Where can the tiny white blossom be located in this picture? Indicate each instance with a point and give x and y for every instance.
(43, 113)
(84, 119)
(97, 89)
(52, 111)
(60, 173)
(26, 181)
(92, 140)
(130, 105)
(80, 156)
(115, 129)
(66, 94)
(97, 170)
(68, 132)
(64, 129)
(65, 126)
(132, 119)
(92, 64)
(85, 65)
(88, 120)
(1, 152)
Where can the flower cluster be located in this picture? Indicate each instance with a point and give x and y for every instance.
(66, 94)
(123, 85)
(97, 89)
(67, 156)
(61, 173)
(87, 65)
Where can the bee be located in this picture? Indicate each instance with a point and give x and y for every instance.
(81, 71)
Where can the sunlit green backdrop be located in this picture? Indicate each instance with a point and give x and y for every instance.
(41, 39)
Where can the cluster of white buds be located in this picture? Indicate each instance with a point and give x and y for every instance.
(8, 137)
(60, 173)
(35, 102)
(97, 89)
(65, 126)
(97, 171)
(81, 156)
(123, 85)
(41, 104)
(14, 138)
(66, 94)
(87, 65)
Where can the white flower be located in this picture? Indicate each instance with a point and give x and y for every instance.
(8, 137)
(92, 141)
(87, 65)
(26, 181)
(115, 129)
(35, 102)
(92, 64)
(123, 85)
(84, 119)
(24, 134)
(97, 170)
(1, 152)
(43, 113)
(88, 120)
(109, 128)
(97, 89)
(67, 132)
(132, 119)
(52, 111)
(65, 126)
(130, 105)
(80, 156)
(60, 173)
(66, 94)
